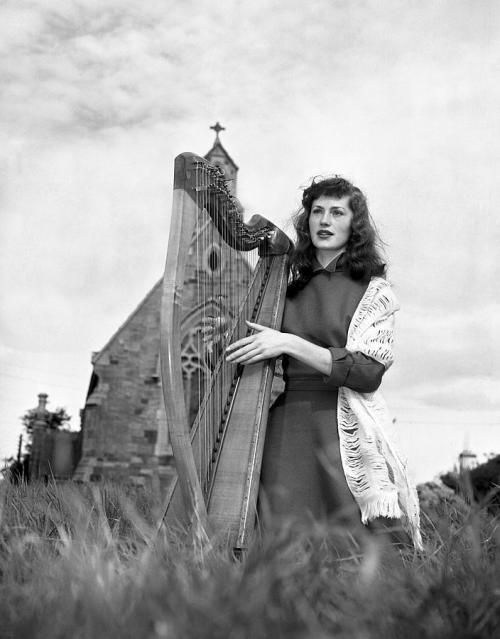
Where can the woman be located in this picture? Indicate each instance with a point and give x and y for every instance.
(325, 449)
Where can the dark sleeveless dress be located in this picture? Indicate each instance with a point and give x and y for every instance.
(302, 473)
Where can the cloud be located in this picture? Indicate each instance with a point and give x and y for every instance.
(84, 225)
(473, 392)
(448, 359)
(98, 65)
(99, 96)
(470, 332)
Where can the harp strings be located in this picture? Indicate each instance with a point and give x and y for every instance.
(227, 293)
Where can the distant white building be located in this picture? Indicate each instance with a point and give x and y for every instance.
(467, 460)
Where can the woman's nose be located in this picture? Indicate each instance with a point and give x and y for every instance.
(325, 219)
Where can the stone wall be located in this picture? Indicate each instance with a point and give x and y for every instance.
(124, 408)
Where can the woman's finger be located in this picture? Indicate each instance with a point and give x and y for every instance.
(241, 352)
(257, 327)
(245, 358)
(241, 342)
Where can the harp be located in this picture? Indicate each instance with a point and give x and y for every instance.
(238, 271)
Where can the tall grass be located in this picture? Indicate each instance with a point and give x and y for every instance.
(87, 562)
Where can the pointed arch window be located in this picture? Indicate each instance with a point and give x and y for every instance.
(213, 259)
(194, 369)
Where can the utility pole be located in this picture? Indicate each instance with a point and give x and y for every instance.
(19, 448)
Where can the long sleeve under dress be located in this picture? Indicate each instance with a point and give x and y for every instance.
(302, 472)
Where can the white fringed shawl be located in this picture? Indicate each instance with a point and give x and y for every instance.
(375, 473)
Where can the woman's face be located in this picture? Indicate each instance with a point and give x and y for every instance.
(330, 226)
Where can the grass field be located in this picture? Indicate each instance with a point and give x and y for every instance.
(86, 562)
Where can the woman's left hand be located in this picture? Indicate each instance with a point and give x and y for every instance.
(265, 343)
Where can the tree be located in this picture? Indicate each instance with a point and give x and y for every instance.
(56, 420)
(482, 482)
(51, 420)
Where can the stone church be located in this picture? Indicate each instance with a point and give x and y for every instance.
(124, 429)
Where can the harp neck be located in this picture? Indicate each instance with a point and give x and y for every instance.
(204, 183)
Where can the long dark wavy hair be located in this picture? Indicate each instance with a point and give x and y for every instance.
(363, 257)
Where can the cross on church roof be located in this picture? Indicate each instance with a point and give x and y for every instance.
(217, 128)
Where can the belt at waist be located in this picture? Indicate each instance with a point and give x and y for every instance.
(307, 384)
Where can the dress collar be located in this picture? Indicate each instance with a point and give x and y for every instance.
(337, 264)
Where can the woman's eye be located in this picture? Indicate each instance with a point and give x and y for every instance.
(333, 212)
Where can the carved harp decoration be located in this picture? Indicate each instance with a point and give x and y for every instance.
(236, 271)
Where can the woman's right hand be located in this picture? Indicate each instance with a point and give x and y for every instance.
(214, 329)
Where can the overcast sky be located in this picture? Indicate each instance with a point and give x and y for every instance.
(401, 97)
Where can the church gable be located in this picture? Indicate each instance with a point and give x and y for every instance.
(131, 329)
(212, 264)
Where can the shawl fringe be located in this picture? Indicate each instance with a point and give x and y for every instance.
(375, 473)
(381, 506)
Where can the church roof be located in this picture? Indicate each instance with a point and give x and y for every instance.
(218, 147)
(138, 308)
